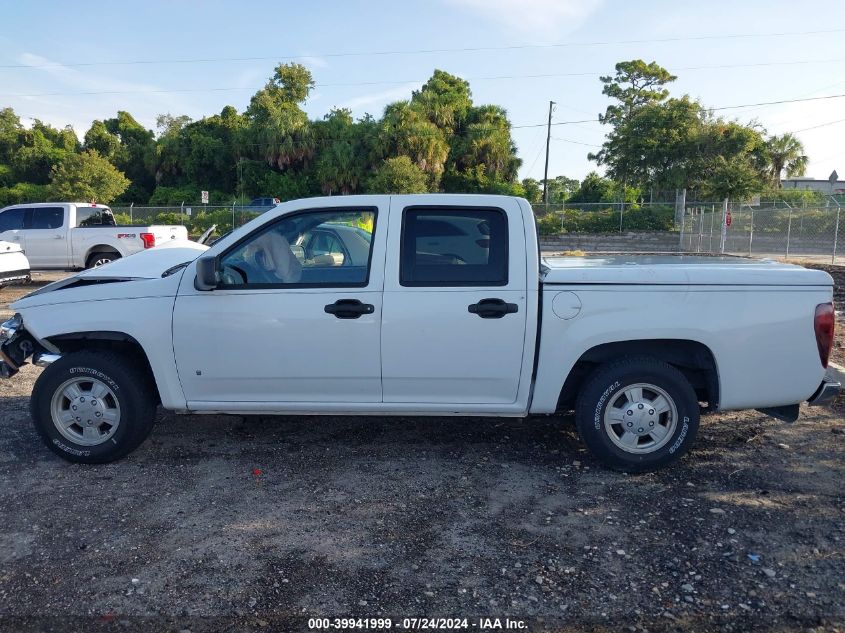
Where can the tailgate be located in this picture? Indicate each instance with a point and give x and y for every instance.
(164, 234)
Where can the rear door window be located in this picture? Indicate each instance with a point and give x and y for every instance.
(458, 246)
(47, 217)
(94, 216)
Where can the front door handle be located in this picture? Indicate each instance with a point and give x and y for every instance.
(492, 308)
(349, 308)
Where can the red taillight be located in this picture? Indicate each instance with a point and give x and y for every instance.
(148, 239)
(824, 324)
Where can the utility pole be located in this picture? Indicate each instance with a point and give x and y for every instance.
(546, 171)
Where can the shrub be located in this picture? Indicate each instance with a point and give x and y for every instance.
(23, 192)
(171, 217)
(635, 218)
(549, 224)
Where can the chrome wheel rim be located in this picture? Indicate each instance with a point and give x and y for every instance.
(102, 261)
(85, 411)
(641, 418)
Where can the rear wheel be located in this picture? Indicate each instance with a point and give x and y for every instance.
(95, 260)
(637, 414)
(93, 407)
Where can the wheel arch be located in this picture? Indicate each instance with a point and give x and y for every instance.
(101, 248)
(115, 342)
(692, 358)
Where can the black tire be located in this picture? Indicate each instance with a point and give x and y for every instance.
(605, 387)
(133, 392)
(101, 258)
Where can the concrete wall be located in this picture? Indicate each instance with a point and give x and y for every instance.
(625, 242)
(667, 242)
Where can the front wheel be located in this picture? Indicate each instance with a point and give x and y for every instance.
(92, 407)
(637, 414)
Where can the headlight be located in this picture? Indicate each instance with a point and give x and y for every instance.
(9, 328)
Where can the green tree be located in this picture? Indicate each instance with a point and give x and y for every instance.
(278, 128)
(658, 145)
(533, 190)
(41, 147)
(344, 147)
(99, 139)
(595, 188)
(561, 189)
(406, 131)
(635, 84)
(11, 131)
(487, 141)
(735, 178)
(137, 150)
(398, 175)
(729, 160)
(86, 176)
(785, 153)
(445, 100)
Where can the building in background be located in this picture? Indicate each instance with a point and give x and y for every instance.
(826, 186)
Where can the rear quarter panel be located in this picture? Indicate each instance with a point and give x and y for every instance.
(762, 339)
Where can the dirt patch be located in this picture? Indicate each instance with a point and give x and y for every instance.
(223, 523)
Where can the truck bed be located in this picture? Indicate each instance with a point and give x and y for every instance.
(676, 270)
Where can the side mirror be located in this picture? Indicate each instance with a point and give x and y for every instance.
(206, 273)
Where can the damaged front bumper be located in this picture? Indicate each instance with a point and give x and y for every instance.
(17, 345)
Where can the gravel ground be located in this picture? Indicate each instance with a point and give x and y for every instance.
(223, 523)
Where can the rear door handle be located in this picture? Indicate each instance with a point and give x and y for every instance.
(492, 308)
(349, 308)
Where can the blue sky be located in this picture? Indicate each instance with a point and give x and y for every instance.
(62, 35)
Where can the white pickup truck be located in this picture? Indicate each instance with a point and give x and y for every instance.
(450, 311)
(14, 266)
(76, 235)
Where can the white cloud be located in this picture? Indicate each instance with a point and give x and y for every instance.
(546, 17)
(378, 98)
(79, 110)
(313, 61)
(79, 80)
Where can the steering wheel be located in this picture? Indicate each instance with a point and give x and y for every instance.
(232, 276)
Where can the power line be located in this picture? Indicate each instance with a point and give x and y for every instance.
(766, 103)
(517, 127)
(730, 107)
(814, 127)
(569, 140)
(425, 51)
(410, 81)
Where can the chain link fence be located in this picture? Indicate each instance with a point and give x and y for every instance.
(764, 231)
(197, 218)
(770, 229)
(775, 229)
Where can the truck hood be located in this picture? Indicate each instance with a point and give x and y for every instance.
(147, 264)
(146, 268)
(677, 270)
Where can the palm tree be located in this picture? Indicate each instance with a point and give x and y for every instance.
(785, 152)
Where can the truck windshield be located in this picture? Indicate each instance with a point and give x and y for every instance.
(94, 216)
